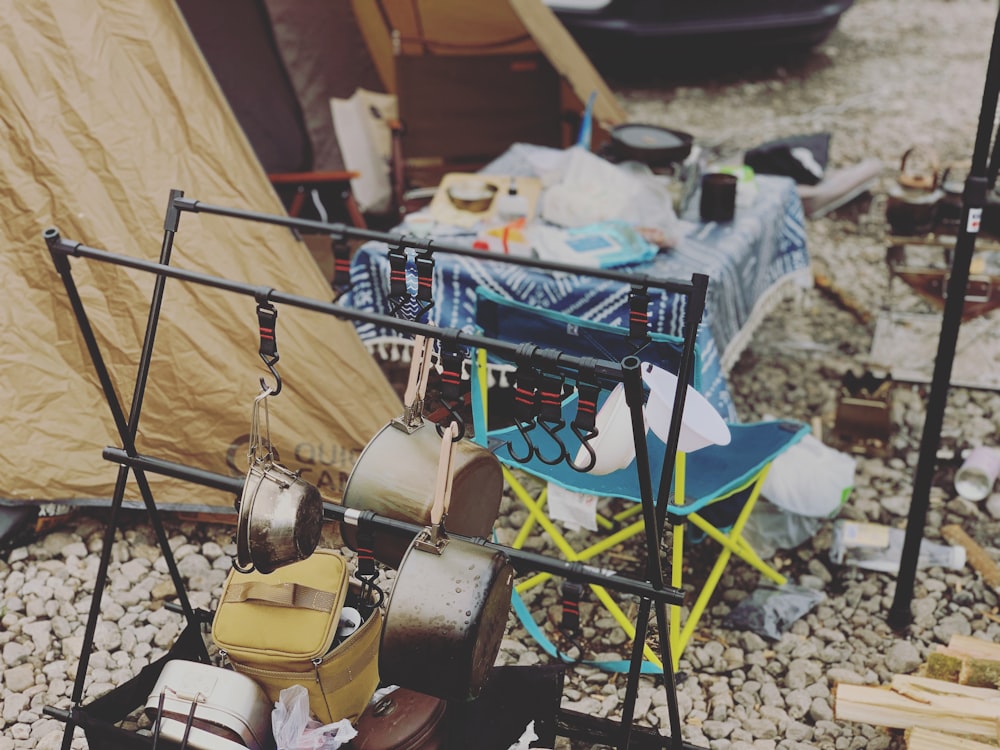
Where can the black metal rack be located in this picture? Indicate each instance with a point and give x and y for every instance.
(652, 590)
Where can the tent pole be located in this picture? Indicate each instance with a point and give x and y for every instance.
(973, 199)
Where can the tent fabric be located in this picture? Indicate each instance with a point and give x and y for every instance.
(326, 58)
(457, 27)
(107, 106)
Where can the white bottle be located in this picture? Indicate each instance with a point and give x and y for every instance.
(512, 205)
(978, 473)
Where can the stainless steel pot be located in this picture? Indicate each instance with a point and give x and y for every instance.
(448, 608)
(394, 476)
(280, 519)
(280, 514)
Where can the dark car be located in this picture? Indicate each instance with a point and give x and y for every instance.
(628, 32)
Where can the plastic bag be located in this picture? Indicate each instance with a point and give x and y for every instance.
(294, 729)
(810, 478)
(770, 611)
(771, 528)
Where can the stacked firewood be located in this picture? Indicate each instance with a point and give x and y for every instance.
(954, 701)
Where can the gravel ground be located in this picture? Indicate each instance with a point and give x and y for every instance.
(895, 73)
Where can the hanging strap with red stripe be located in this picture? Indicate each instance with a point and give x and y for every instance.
(397, 279)
(451, 373)
(341, 263)
(638, 317)
(425, 282)
(267, 319)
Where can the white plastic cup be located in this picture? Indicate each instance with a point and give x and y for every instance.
(978, 473)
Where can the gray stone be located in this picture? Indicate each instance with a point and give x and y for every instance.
(849, 676)
(798, 703)
(15, 653)
(954, 624)
(902, 658)
(20, 678)
(820, 710)
(13, 705)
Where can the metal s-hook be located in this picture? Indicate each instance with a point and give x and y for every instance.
(551, 429)
(267, 319)
(524, 428)
(454, 417)
(550, 416)
(584, 436)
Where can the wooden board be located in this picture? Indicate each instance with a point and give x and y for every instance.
(921, 702)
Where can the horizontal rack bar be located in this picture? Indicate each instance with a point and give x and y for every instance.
(522, 560)
(431, 245)
(527, 354)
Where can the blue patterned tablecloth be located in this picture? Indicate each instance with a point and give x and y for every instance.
(750, 263)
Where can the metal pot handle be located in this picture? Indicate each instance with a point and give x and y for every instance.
(260, 452)
(416, 385)
(433, 539)
(445, 475)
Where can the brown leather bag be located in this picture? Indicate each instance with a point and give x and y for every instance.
(402, 720)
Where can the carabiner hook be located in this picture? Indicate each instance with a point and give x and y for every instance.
(524, 429)
(551, 429)
(585, 436)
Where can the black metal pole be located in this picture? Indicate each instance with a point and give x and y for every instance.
(529, 354)
(427, 245)
(522, 560)
(127, 431)
(634, 396)
(974, 198)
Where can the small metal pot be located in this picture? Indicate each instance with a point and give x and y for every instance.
(280, 514)
(280, 519)
(448, 608)
(394, 475)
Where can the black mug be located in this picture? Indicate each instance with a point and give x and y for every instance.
(718, 196)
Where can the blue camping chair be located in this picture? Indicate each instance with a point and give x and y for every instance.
(715, 488)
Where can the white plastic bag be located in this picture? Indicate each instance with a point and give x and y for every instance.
(810, 478)
(295, 730)
(362, 129)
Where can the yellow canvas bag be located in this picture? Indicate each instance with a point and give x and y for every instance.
(278, 629)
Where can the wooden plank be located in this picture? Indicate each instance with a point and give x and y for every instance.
(978, 558)
(927, 739)
(968, 645)
(945, 708)
(928, 688)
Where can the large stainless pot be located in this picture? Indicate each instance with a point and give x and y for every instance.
(448, 607)
(394, 476)
(280, 514)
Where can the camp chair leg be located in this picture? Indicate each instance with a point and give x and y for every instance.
(731, 543)
(676, 580)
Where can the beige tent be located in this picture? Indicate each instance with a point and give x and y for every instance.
(108, 105)
(460, 27)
